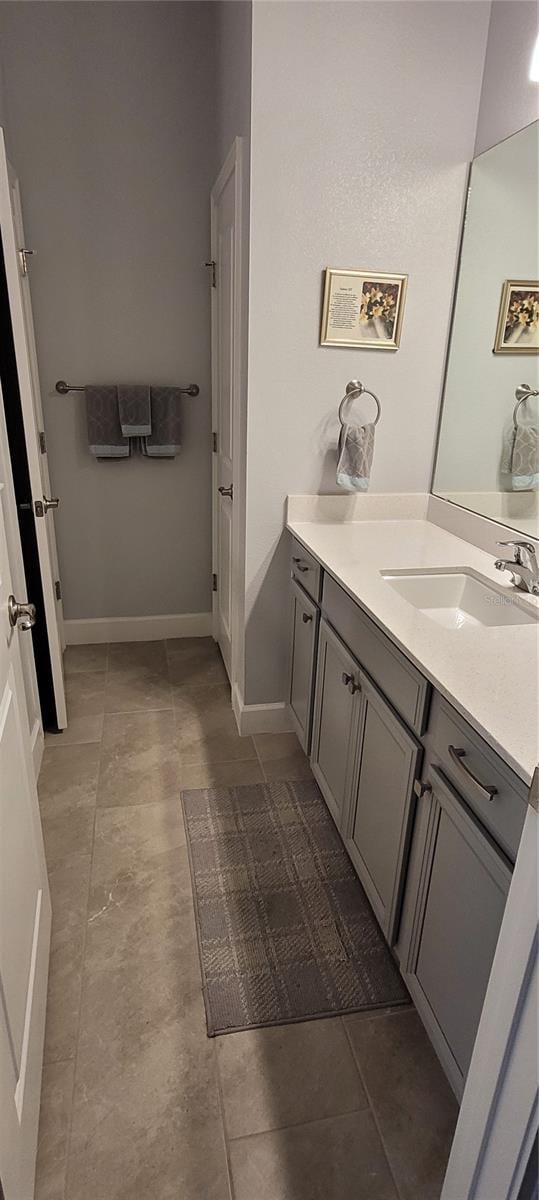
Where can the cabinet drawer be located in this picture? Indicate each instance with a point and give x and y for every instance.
(306, 570)
(398, 679)
(473, 768)
(305, 618)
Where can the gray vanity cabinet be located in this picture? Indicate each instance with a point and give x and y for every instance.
(381, 810)
(459, 899)
(335, 723)
(305, 618)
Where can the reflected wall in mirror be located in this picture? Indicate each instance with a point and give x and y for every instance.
(488, 456)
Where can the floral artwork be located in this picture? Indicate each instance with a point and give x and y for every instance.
(362, 309)
(378, 309)
(518, 319)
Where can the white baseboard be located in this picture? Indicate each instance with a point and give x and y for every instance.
(260, 718)
(137, 629)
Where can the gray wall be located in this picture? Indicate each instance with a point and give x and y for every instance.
(112, 131)
(233, 73)
(509, 99)
(363, 123)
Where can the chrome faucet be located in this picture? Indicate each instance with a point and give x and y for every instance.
(524, 567)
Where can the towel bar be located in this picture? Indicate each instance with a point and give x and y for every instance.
(353, 389)
(63, 388)
(522, 393)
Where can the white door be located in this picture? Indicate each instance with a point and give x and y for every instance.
(25, 911)
(25, 352)
(226, 382)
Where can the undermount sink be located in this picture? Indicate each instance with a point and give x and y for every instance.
(460, 598)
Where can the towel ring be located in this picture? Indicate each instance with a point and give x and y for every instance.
(522, 393)
(353, 389)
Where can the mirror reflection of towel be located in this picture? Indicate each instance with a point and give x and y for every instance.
(355, 454)
(520, 457)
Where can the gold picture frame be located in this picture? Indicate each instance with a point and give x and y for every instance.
(363, 309)
(517, 331)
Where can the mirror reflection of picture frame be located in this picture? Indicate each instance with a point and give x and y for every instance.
(517, 331)
(362, 309)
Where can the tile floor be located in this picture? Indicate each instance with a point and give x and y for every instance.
(138, 1104)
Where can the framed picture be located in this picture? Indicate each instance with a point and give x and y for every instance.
(362, 309)
(518, 318)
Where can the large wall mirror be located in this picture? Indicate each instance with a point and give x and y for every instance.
(488, 459)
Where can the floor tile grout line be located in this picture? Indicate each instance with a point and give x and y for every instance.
(352, 1112)
(81, 990)
(222, 1111)
(374, 1114)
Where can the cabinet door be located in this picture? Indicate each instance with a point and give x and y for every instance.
(336, 720)
(378, 831)
(305, 618)
(459, 907)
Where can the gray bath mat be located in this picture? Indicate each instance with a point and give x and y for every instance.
(285, 930)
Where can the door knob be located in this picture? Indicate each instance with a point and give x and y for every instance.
(229, 491)
(23, 615)
(306, 617)
(52, 503)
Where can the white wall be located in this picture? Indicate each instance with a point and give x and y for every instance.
(112, 130)
(509, 99)
(501, 241)
(363, 123)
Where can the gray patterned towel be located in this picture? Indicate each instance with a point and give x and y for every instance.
(356, 449)
(105, 437)
(134, 409)
(164, 440)
(520, 457)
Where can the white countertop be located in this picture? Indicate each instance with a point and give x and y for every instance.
(490, 674)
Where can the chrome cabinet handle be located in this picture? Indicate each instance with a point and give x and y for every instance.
(350, 683)
(306, 617)
(457, 755)
(301, 564)
(53, 502)
(23, 615)
(229, 491)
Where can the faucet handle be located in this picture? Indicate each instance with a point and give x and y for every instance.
(520, 545)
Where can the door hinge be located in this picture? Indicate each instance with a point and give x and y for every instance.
(58, 589)
(213, 267)
(214, 441)
(24, 255)
(214, 582)
(42, 442)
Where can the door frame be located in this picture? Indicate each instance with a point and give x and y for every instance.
(28, 381)
(233, 164)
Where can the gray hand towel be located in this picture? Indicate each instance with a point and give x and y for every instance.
(134, 409)
(105, 437)
(164, 440)
(356, 449)
(520, 457)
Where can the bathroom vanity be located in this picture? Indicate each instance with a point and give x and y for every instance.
(419, 741)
